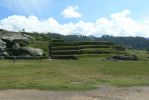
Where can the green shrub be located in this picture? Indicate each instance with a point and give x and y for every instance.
(95, 43)
(66, 52)
(94, 46)
(57, 40)
(65, 48)
(119, 48)
(62, 44)
(95, 52)
(25, 57)
(64, 57)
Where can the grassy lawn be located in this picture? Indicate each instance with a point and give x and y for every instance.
(81, 74)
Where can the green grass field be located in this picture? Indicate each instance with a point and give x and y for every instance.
(83, 74)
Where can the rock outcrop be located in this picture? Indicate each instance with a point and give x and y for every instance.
(15, 44)
(14, 38)
(33, 51)
(2, 44)
(27, 52)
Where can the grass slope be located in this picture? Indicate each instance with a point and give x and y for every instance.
(81, 74)
(41, 44)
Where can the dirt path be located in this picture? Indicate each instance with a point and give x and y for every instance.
(102, 93)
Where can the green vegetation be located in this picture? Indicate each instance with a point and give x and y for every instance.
(42, 41)
(142, 54)
(128, 42)
(40, 44)
(89, 71)
(66, 50)
(81, 74)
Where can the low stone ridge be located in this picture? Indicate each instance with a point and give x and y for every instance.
(69, 50)
(14, 44)
(123, 57)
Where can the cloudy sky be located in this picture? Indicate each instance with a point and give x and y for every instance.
(82, 17)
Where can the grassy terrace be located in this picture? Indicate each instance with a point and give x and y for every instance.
(80, 74)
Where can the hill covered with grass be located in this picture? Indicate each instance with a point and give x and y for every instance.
(130, 43)
(72, 50)
(85, 46)
(127, 42)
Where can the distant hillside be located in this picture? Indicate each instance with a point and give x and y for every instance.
(128, 42)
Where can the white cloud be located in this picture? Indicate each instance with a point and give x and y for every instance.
(71, 12)
(119, 24)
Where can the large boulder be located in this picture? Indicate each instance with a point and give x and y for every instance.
(14, 39)
(14, 44)
(27, 51)
(34, 51)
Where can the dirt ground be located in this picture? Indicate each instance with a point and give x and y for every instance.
(102, 93)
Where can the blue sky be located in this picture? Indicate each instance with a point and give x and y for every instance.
(90, 9)
(79, 13)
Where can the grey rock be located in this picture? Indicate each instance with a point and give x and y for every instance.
(2, 44)
(27, 51)
(5, 54)
(14, 44)
(34, 51)
(123, 57)
(15, 37)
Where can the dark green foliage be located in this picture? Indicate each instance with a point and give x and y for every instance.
(128, 42)
(95, 43)
(119, 48)
(56, 48)
(64, 57)
(65, 48)
(94, 46)
(80, 43)
(66, 52)
(95, 52)
(18, 52)
(26, 57)
(38, 36)
(62, 44)
(57, 40)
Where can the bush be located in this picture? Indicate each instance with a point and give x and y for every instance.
(61, 44)
(94, 46)
(65, 48)
(95, 52)
(57, 40)
(25, 57)
(66, 52)
(64, 57)
(94, 43)
(119, 48)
